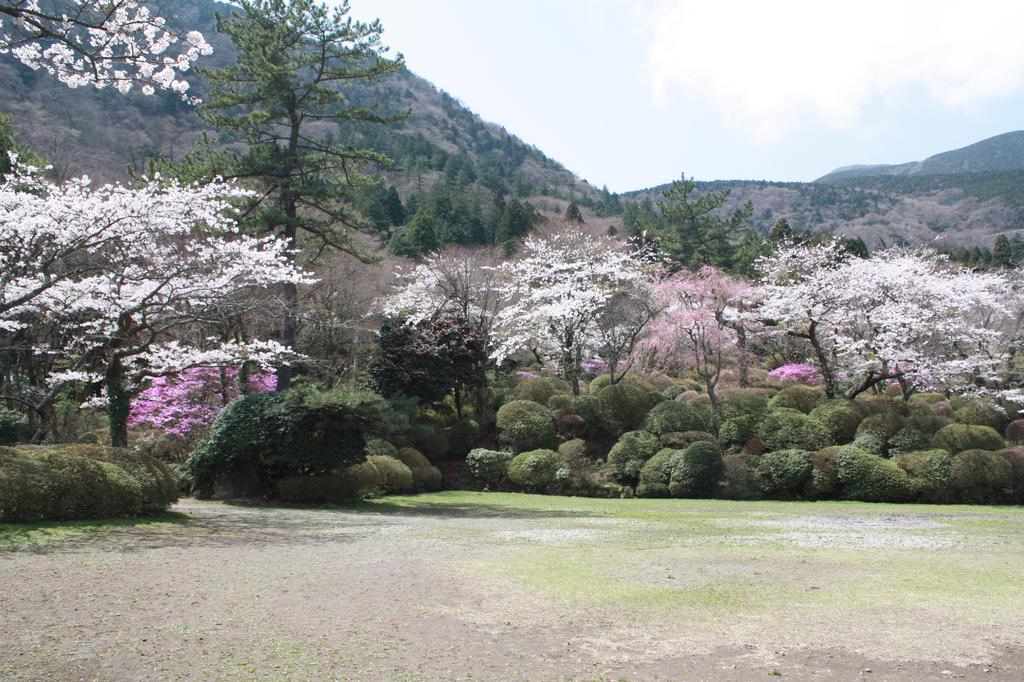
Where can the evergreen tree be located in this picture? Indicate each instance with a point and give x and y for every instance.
(573, 215)
(781, 231)
(1002, 256)
(293, 59)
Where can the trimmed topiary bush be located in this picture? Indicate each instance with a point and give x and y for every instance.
(539, 389)
(622, 407)
(1015, 456)
(929, 424)
(425, 476)
(696, 471)
(534, 470)
(488, 466)
(395, 476)
(751, 403)
(365, 479)
(824, 480)
(930, 473)
(738, 430)
(671, 416)
(738, 480)
(870, 478)
(379, 446)
(157, 483)
(672, 392)
(525, 425)
(656, 474)
(40, 484)
(797, 397)
(982, 477)
(871, 443)
(684, 439)
(630, 453)
(789, 429)
(784, 473)
(980, 412)
(959, 437)
(885, 424)
(908, 440)
(839, 418)
(560, 402)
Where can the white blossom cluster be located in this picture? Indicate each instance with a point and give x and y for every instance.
(114, 43)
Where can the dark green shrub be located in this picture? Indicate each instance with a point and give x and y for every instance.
(585, 406)
(622, 407)
(322, 489)
(365, 479)
(488, 466)
(525, 425)
(908, 440)
(158, 484)
(931, 473)
(871, 443)
(539, 389)
(751, 403)
(534, 470)
(870, 478)
(673, 416)
(930, 398)
(884, 423)
(605, 380)
(672, 392)
(959, 437)
(784, 473)
(294, 432)
(789, 429)
(982, 477)
(379, 446)
(425, 476)
(738, 430)
(738, 480)
(980, 412)
(929, 424)
(684, 439)
(41, 484)
(463, 436)
(869, 405)
(395, 476)
(656, 474)
(1015, 456)
(839, 418)
(797, 397)
(630, 453)
(560, 402)
(696, 472)
(430, 439)
(11, 422)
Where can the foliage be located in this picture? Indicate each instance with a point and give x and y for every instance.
(785, 428)
(931, 473)
(799, 373)
(738, 480)
(980, 476)
(672, 416)
(870, 478)
(884, 424)
(289, 433)
(959, 437)
(908, 440)
(656, 474)
(525, 425)
(488, 466)
(871, 442)
(623, 406)
(396, 476)
(799, 397)
(539, 389)
(534, 469)
(696, 471)
(425, 476)
(824, 482)
(784, 473)
(630, 453)
(379, 446)
(839, 418)
(980, 413)
(319, 489)
(463, 436)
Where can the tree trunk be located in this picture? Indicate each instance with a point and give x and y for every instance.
(823, 364)
(118, 403)
(741, 345)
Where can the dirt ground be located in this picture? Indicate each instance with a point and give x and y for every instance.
(507, 587)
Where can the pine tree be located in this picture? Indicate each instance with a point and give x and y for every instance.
(293, 59)
(1002, 256)
(573, 215)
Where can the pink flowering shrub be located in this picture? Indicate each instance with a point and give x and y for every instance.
(181, 404)
(799, 373)
(594, 366)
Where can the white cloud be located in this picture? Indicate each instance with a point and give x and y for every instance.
(766, 65)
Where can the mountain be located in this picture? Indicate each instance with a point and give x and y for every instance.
(1000, 153)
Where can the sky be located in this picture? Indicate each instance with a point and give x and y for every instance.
(633, 93)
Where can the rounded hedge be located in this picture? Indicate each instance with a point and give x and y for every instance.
(630, 453)
(379, 446)
(539, 389)
(824, 480)
(982, 477)
(930, 473)
(929, 424)
(656, 474)
(871, 443)
(908, 440)
(40, 484)
(738, 479)
(684, 439)
(784, 473)
(959, 437)
(534, 470)
(697, 471)
(790, 429)
(672, 416)
(525, 425)
(488, 466)
(839, 418)
(886, 424)
(751, 403)
(623, 406)
(870, 478)
(974, 410)
(425, 476)
(797, 397)
(1015, 456)
(396, 476)
(1015, 431)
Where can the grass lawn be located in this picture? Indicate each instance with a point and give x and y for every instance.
(460, 585)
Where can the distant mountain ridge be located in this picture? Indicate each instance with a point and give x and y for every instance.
(999, 153)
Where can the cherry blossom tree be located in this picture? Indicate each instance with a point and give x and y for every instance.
(556, 293)
(906, 316)
(127, 275)
(704, 325)
(118, 43)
